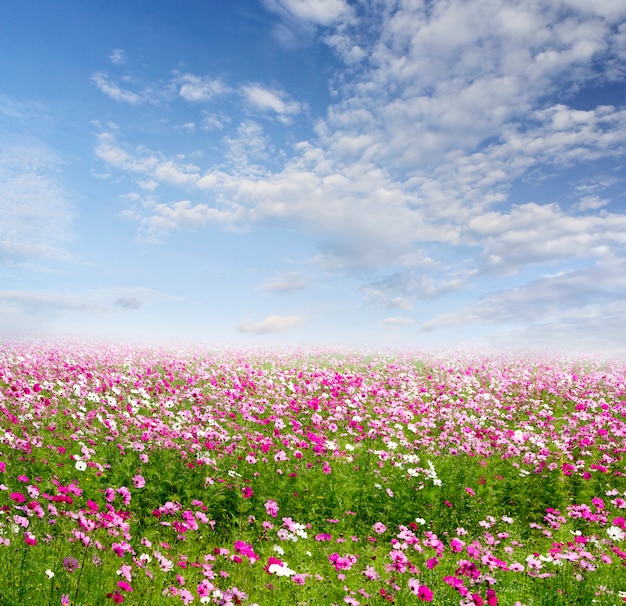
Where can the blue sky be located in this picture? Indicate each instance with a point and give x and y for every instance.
(373, 173)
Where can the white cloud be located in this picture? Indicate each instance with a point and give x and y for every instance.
(271, 324)
(591, 203)
(380, 298)
(214, 121)
(533, 233)
(318, 12)
(286, 282)
(247, 148)
(445, 106)
(197, 89)
(36, 312)
(264, 99)
(396, 321)
(35, 210)
(164, 218)
(118, 56)
(560, 297)
(112, 90)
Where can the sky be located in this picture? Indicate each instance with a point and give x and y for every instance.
(368, 173)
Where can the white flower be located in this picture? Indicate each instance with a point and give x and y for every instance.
(49, 573)
(80, 465)
(616, 533)
(281, 571)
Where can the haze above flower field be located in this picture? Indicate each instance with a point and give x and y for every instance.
(321, 171)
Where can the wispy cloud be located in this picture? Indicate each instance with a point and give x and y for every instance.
(395, 322)
(36, 211)
(32, 312)
(319, 12)
(552, 298)
(271, 324)
(128, 302)
(277, 102)
(114, 91)
(287, 282)
(118, 56)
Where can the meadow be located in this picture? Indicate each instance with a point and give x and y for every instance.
(157, 476)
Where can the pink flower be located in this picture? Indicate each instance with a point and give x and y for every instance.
(379, 528)
(139, 481)
(271, 508)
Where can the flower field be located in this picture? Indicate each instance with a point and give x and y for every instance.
(154, 476)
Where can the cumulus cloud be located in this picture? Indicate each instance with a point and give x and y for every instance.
(271, 324)
(447, 107)
(197, 89)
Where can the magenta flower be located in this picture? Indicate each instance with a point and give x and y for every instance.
(492, 598)
(124, 585)
(246, 550)
(423, 592)
(247, 492)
